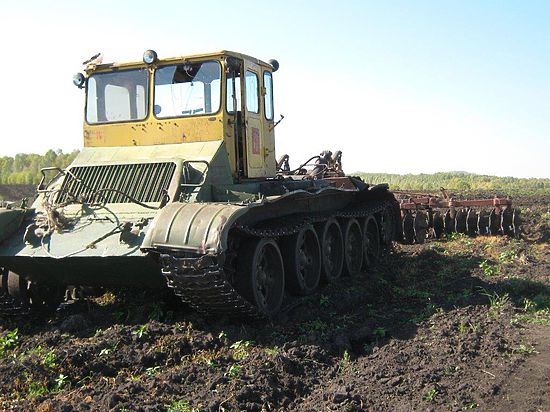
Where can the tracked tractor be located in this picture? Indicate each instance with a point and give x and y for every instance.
(178, 186)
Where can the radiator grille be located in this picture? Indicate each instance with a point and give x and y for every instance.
(145, 182)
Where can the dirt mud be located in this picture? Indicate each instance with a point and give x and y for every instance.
(457, 324)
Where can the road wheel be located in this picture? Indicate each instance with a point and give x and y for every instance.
(332, 249)
(18, 288)
(302, 261)
(261, 278)
(3, 280)
(371, 242)
(353, 246)
(46, 296)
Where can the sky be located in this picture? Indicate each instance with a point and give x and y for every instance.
(397, 86)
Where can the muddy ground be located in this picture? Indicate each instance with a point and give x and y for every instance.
(446, 326)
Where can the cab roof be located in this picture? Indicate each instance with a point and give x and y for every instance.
(217, 54)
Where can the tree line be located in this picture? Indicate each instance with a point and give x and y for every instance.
(456, 181)
(24, 168)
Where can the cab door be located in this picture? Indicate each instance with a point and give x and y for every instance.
(255, 139)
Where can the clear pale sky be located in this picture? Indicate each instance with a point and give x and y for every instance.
(398, 86)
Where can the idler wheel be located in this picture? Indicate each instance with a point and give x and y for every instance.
(332, 249)
(353, 246)
(371, 242)
(438, 225)
(302, 261)
(262, 278)
(408, 228)
(46, 296)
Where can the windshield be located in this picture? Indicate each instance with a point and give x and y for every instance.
(187, 89)
(117, 96)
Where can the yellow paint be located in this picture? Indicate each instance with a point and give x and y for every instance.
(200, 128)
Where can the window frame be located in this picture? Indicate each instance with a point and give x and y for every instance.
(271, 95)
(147, 97)
(258, 104)
(191, 115)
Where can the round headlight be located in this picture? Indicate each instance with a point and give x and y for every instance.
(275, 64)
(150, 56)
(78, 80)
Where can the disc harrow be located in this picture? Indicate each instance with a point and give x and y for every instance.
(427, 216)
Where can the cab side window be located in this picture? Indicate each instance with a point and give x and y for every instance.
(252, 101)
(268, 97)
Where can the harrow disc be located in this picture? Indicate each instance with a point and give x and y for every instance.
(483, 222)
(460, 221)
(408, 228)
(507, 222)
(448, 222)
(495, 227)
(420, 227)
(437, 224)
(516, 222)
(471, 222)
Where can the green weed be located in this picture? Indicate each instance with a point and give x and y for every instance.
(241, 348)
(9, 341)
(379, 332)
(313, 326)
(345, 363)
(60, 382)
(324, 300)
(274, 351)
(524, 349)
(141, 331)
(428, 311)
(508, 256)
(179, 406)
(105, 352)
(430, 395)
(49, 359)
(412, 293)
(488, 269)
(496, 302)
(152, 371)
(156, 313)
(35, 389)
(233, 371)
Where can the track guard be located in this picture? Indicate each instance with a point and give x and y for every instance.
(200, 228)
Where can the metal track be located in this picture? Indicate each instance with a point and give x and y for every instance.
(206, 286)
